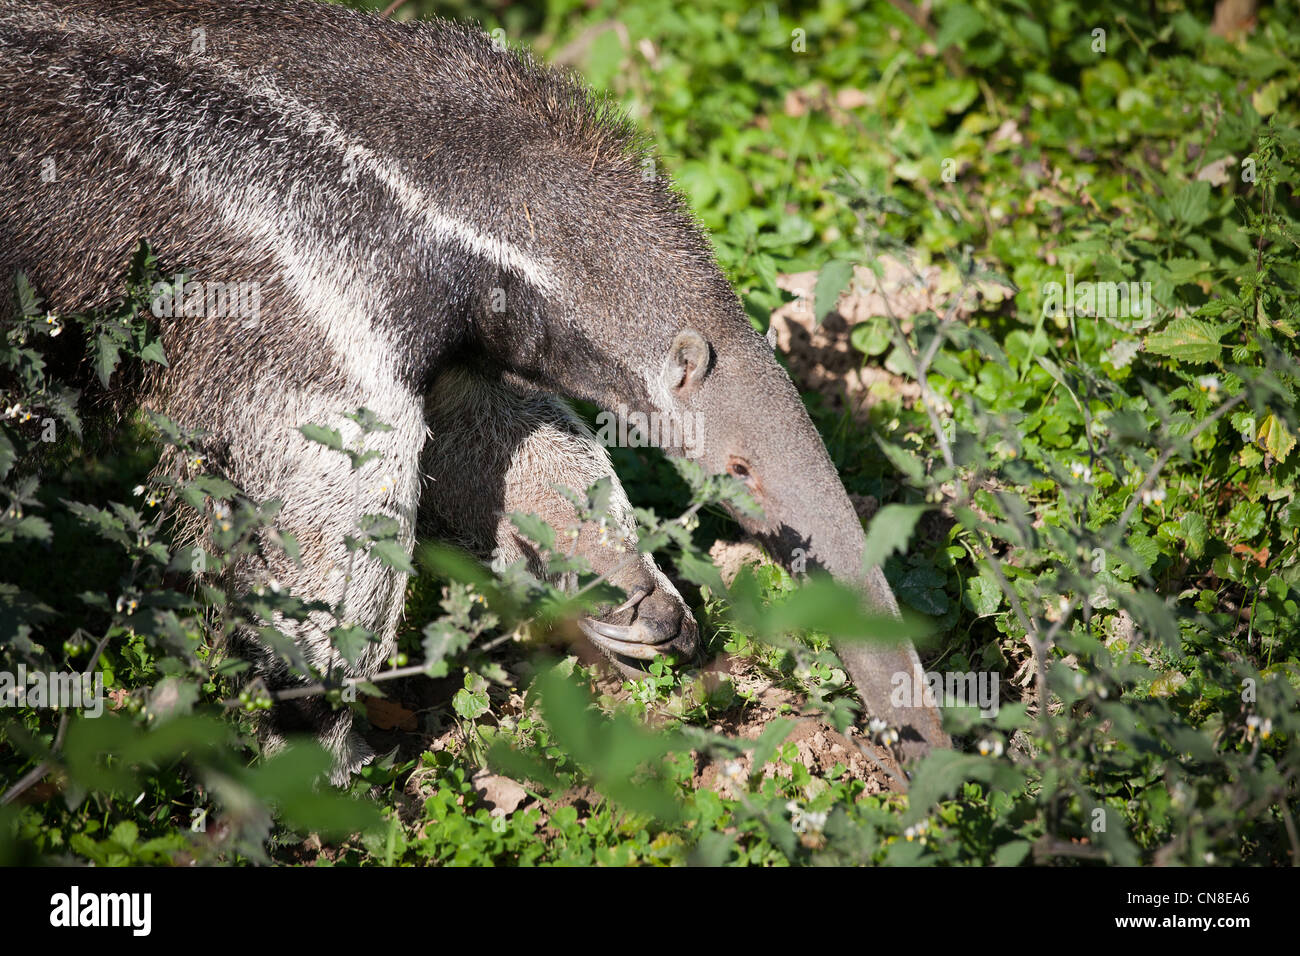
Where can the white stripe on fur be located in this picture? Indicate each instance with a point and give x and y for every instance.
(414, 201)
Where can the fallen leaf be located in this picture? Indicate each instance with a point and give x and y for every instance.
(501, 793)
(1216, 173)
(389, 715)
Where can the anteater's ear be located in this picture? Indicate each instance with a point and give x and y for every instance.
(687, 363)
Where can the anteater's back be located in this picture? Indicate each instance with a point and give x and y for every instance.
(364, 171)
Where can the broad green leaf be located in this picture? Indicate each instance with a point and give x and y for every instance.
(1275, 438)
(889, 532)
(328, 437)
(1188, 340)
(832, 280)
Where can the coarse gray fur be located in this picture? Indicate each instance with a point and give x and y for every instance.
(390, 187)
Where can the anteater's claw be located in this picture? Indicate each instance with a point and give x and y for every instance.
(623, 640)
(633, 600)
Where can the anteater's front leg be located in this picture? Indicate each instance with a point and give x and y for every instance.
(495, 449)
(325, 503)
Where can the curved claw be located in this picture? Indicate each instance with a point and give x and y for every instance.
(636, 597)
(613, 638)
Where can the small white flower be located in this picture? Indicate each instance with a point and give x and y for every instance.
(733, 771)
(991, 746)
(1208, 383)
(138, 490)
(1153, 496)
(1263, 724)
(1081, 471)
(804, 821)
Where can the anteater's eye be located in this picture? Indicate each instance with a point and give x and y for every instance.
(740, 469)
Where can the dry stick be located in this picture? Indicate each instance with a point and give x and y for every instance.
(392, 8)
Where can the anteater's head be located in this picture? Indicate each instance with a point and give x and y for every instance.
(627, 307)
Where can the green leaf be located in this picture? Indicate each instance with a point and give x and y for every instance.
(1188, 340)
(871, 337)
(470, 704)
(328, 437)
(1012, 854)
(29, 303)
(889, 532)
(1191, 204)
(351, 641)
(106, 358)
(1193, 530)
(832, 280)
(982, 595)
(1268, 97)
(922, 588)
(960, 22)
(534, 529)
(1275, 438)
(392, 554)
(125, 834)
(153, 352)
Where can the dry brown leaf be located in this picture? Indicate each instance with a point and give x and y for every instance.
(389, 715)
(501, 793)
